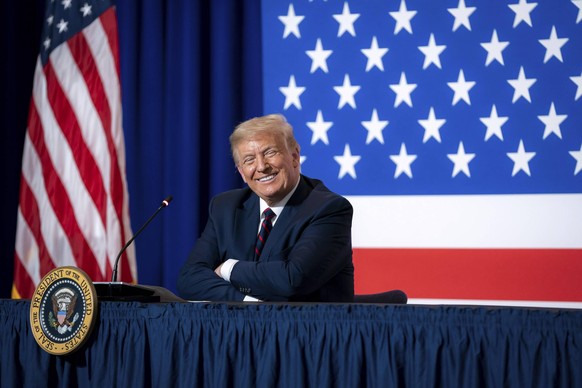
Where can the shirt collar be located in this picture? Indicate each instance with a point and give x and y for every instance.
(278, 207)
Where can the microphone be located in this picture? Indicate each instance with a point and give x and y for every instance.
(164, 204)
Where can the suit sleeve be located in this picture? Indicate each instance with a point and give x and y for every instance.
(197, 280)
(320, 251)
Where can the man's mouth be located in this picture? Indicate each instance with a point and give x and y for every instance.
(267, 178)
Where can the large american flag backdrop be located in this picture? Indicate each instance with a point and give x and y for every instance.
(73, 196)
(455, 130)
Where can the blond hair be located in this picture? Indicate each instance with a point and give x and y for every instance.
(274, 123)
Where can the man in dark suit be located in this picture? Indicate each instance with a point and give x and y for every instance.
(303, 251)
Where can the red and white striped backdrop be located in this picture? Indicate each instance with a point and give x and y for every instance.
(479, 249)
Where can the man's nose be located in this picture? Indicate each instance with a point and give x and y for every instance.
(262, 163)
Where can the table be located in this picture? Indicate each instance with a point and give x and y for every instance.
(302, 345)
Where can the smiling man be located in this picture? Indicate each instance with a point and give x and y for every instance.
(285, 237)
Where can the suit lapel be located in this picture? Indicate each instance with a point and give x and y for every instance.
(246, 222)
(286, 219)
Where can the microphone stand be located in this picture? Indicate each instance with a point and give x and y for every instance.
(164, 204)
(119, 291)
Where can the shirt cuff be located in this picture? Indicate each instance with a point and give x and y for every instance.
(226, 269)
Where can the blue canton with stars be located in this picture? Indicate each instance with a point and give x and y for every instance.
(65, 18)
(430, 97)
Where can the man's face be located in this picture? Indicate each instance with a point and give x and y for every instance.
(267, 166)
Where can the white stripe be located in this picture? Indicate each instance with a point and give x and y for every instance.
(86, 214)
(27, 248)
(474, 221)
(55, 238)
(78, 95)
(509, 303)
(104, 58)
(104, 61)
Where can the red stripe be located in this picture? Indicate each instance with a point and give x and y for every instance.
(61, 202)
(83, 57)
(67, 120)
(118, 192)
(486, 274)
(109, 23)
(31, 214)
(22, 281)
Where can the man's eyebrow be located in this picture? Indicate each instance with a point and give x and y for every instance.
(269, 147)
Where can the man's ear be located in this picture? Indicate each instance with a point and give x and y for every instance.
(296, 157)
(240, 171)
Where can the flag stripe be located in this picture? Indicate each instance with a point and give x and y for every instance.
(106, 61)
(31, 246)
(489, 274)
(38, 212)
(27, 248)
(26, 285)
(69, 195)
(108, 31)
(77, 119)
(474, 221)
(74, 207)
(55, 151)
(94, 122)
(90, 133)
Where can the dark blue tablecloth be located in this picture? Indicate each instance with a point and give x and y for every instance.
(308, 345)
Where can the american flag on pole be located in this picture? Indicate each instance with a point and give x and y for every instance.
(74, 206)
(453, 127)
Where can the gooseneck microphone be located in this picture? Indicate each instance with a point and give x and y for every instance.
(164, 204)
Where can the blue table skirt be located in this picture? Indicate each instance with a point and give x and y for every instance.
(302, 345)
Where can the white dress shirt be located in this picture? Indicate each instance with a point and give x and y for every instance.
(228, 265)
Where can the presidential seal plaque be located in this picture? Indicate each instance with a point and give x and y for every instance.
(63, 310)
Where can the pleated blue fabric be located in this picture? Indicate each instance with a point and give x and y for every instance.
(302, 345)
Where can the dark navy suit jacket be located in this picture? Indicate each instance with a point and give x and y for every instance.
(307, 257)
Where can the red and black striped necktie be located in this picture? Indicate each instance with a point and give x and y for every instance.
(266, 227)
